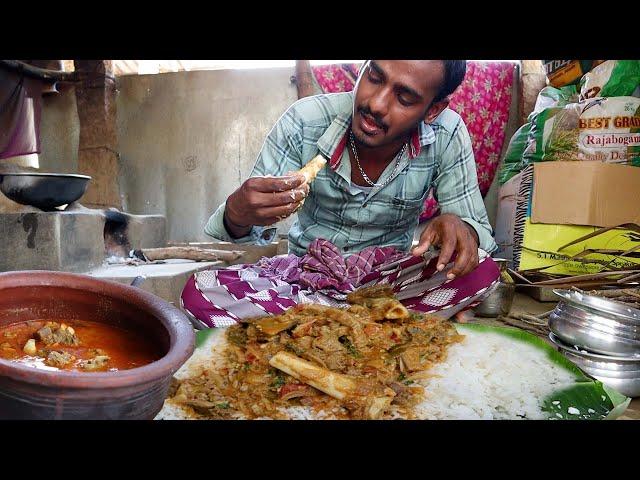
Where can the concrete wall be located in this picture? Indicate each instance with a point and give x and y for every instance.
(59, 132)
(188, 139)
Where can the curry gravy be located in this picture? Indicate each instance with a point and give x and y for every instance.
(125, 349)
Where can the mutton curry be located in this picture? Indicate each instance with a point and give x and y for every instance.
(77, 345)
(359, 362)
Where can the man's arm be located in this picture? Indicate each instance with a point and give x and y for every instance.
(463, 224)
(457, 190)
(263, 200)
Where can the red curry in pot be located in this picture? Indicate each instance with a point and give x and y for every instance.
(76, 345)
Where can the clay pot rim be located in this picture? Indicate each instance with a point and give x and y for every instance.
(177, 325)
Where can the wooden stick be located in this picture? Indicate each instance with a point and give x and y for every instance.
(190, 253)
(590, 284)
(531, 318)
(40, 73)
(516, 274)
(304, 79)
(592, 276)
(629, 278)
(523, 325)
(621, 292)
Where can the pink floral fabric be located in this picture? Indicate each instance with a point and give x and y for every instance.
(336, 78)
(482, 100)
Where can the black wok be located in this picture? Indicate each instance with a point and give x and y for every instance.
(43, 190)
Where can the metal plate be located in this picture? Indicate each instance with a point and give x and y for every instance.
(631, 360)
(600, 305)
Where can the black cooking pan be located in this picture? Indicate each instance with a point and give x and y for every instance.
(43, 190)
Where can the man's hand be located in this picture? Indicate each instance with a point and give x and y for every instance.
(264, 201)
(451, 234)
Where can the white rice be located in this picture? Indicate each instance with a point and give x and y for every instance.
(487, 376)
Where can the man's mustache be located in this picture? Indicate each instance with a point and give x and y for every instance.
(379, 123)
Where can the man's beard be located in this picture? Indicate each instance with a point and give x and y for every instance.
(361, 140)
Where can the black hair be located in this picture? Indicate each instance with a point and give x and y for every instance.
(454, 72)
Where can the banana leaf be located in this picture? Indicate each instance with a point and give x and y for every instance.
(588, 399)
(203, 335)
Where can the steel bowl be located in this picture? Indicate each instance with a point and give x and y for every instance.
(608, 330)
(603, 306)
(498, 301)
(597, 334)
(43, 190)
(135, 394)
(620, 373)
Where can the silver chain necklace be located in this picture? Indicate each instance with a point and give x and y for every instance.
(364, 175)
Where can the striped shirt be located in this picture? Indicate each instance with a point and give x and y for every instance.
(439, 157)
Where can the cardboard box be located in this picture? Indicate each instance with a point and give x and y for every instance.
(531, 245)
(541, 243)
(585, 193)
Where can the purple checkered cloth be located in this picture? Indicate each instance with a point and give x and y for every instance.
(219, 298)
(324, 267)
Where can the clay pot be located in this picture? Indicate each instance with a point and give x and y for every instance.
(138, 393)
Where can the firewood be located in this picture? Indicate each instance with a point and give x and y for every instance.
(190, 253)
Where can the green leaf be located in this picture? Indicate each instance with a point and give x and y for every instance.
(620, 401)
(203, 335)
(583, 401)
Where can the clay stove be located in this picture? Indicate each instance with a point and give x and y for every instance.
(76, 239)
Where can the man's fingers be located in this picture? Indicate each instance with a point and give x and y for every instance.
(467, 258)
(277, 199)
(460, 266)
(446, 251)
(276, 184)
(471, 262)
(271, 215)
(427, 239)
(474, 260)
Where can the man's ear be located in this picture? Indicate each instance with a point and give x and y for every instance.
(436, 109)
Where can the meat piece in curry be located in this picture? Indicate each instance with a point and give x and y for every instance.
(59, 359)
(361, 362)
(55, 333)
(96, 363)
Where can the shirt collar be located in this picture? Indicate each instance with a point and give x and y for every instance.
(422, 136)
(333, 141)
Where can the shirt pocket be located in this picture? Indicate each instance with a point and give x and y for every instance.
(409, 210)
(407, 203)
(396, 212)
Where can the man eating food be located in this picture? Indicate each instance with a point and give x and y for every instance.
(387, 144)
